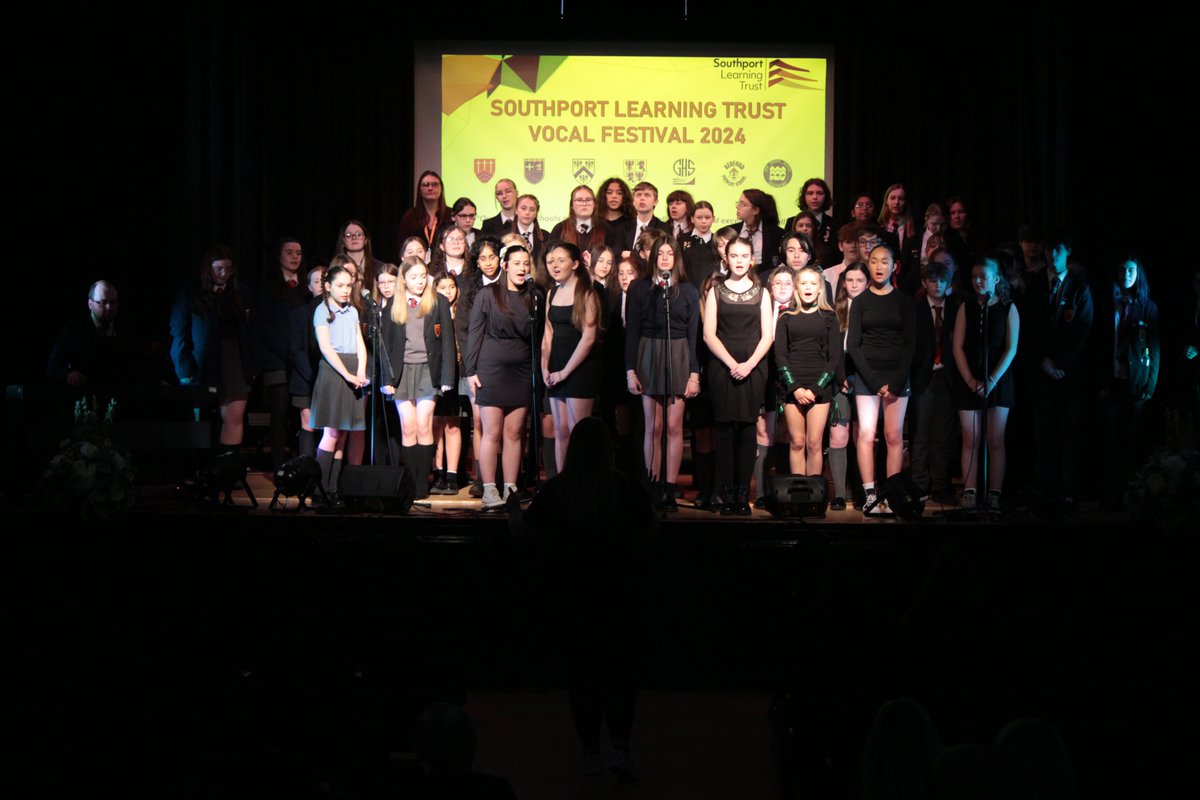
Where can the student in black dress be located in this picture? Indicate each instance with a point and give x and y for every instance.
(758, 223)
(303, 358)
(418, 335)
(880, 340)
(483, 269)
(808, 352)
(645, 343)
(699, 416)
(498, 364)
(571, 353)
(210, 339)
(988, 386)
(737, 330)
(583, 227)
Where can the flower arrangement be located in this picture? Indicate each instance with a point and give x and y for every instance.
(1167, 487)
(89, 474)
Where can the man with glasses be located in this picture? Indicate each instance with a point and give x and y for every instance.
(90, 352)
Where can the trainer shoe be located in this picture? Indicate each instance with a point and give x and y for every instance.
(492, 498)
(968, 501)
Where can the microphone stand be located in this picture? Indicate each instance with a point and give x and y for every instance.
(666, 395)
(373, 335)
(535, 422)
(982, 466)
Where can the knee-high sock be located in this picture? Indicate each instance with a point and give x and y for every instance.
(549, 458)
(306, 443)
(335, 475)
(325, 462)
(748, 457)
(760, 456)
(837, 470)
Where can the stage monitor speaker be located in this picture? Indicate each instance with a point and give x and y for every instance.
(903, 497)
(378, 488)
(796, 495)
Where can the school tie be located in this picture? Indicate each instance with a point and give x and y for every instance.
(937, 335)
(292, 284)
(583, 228)
(412, 302)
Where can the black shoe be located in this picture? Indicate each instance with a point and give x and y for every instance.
(703, 502)
(476, 489)
(667, 502)
(760, 503)
(743, 504)
(451, 485)
(837, 504)
(439, 483)
(729, 507)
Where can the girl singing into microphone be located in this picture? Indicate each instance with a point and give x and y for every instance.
(988, 386)
(656, 340)
(498, 365)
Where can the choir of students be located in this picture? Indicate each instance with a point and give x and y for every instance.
(753, 329)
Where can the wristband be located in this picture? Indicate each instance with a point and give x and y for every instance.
(824, 380)
(785, 375)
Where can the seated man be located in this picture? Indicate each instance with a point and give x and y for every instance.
(92, 350)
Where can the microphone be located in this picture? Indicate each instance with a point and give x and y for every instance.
(664, 279)
(528, 278)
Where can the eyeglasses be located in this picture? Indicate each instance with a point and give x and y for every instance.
(464, 215)
(430, 184)
(359, 235)
(864, 205)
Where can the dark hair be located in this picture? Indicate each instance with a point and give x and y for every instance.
(500, 287)
(328, 277)
(462, 203)
(590, 492)
(678, 271)
(806, 213)
(366, 272)
(686, 197)
(1030, 232)
(626, 196)
(386, 269)
(587, 300)
(1003, 292)
(805, 243)
(765, 203)
(477, 248)
(1056, 238)
(205, 297)
(1141, 287)
(841, 298)
(935, 271)
(441, 201)
(817, 182)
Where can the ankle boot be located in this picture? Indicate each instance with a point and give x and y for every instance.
(729, 507)
(743, 501)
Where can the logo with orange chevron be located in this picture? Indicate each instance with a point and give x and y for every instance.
(784, 74)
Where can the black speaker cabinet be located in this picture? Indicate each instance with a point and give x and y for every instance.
(796, 495)
(379, 488)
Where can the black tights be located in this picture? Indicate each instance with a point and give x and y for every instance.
(735, 453)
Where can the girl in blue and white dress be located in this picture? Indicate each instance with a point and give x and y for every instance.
(337, 404)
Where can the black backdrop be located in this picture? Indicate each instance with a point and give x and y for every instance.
(142, 137)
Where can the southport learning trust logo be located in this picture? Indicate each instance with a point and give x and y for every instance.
(777, 173)
(535, 169)
(760, 73)
(485, 168)
(583, 169)
(735, 173)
